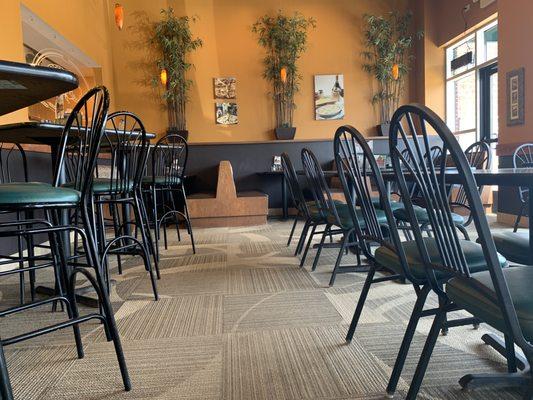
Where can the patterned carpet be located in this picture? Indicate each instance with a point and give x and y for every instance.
(241, 320)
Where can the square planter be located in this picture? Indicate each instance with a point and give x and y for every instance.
(285, 133)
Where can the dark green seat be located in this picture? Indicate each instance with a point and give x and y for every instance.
(472, 251)
(22, 194)
(161, 180)
(514, 246)
(102, 185)
(394, 205)
(422, 215)
(485, 306)
(346, 218)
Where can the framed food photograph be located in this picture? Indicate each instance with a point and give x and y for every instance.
(226, 114)
(225, 88)
(329, 97)
(515, 97)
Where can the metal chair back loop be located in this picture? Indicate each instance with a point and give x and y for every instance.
(294, 186)
(169, 159)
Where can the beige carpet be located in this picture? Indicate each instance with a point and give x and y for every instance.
(241, 320)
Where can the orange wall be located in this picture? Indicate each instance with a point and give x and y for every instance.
(231, 49)
(515, 51)
(84, 23)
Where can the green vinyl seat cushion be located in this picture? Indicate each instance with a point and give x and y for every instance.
(346, 218)
(484, 305)
(32, 193)
(422, 215)
(514, 246)
(394, 205)
(160, 180)
(472, 251)
(102, 185)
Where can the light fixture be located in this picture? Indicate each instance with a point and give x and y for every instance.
(395, 72)
(119, 16)
(283, 74)
(164, 77)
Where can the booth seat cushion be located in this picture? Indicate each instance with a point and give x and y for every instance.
(34, 193)
(422, 215)
(472, 251)
(483, 303)
(394, 205)
(514, 246)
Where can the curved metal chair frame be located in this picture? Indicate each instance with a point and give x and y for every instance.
(522, 158)
(327, 211)
(81, 137)
(413, 121)
(125, 143)
(168, 163)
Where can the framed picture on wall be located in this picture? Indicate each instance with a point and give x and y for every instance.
(329, 97)
(225, 88)
(226, 114)
(515, 97)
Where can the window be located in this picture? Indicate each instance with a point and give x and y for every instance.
(464, 61)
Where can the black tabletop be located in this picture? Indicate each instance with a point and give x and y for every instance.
(36, 133)
(22, 85)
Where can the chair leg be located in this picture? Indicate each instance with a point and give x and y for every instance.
(116, 228)
(463, 230)
(92, 258)
(519, 217)
(5, 385)
(345, 240)
(292, 231)
(313, 229)
(407, 339)
(151, 245)
(319, 250)
(361, 303)
(426, 355)
(303, 236)
(188, 218)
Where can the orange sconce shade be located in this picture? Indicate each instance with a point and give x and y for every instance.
(119, 16)
(283, 74)
(164, 77)
(395, 72)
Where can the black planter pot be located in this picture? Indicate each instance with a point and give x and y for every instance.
(285, 133)
(383, 129)
(174, 131)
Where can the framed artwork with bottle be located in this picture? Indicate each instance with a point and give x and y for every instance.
(329, 97)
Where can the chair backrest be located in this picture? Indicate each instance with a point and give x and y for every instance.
(523, 158)
(479, 156)
(319, 187)
(13, 162)
(169, 159)
(293, 183)
(125, 142)
(357, 172)
(80, 140)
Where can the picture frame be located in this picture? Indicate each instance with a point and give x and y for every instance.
(515, 97)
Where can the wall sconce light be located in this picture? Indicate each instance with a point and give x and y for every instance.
(395, 72)
(283, 75)
(164, 77)
(119, 16)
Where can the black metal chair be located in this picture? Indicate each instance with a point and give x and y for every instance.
(82, 132)
(337, 217)
(123, 155)
(444, 255)
(522, 158)
(165, 185)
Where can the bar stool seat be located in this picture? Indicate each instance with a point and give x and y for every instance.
(484, 303)
(514, 246)
(22, 194)
(103, 186)
(346, 219)
(472, 251)
(161, 180)
(422, 215)
(394, 205)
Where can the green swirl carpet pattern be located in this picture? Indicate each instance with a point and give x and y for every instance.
(240, 320)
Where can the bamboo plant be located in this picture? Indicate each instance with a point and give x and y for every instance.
(284, 39)
(174, 41)
(388, 58)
